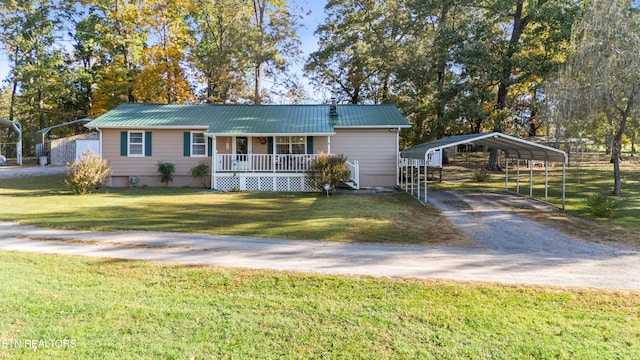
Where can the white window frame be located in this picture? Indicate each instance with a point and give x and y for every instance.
(193, 144)
(290, 144)
(129, 143)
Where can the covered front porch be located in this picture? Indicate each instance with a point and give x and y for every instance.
(268, 163)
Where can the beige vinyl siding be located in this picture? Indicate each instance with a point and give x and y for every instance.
(320, 143)
(374, 149)
(167, 146)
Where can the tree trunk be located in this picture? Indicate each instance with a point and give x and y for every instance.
(616, 146)
(41, 110)
(494, 160)
(615, 153)
(442, 71)
(14, 90)
(257, 97)
(519, 23)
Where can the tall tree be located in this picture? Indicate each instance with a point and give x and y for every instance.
(162, 78)
(218, 53)
(528, 46)
(602, 78)
(28, 32)
(123, 39)
(272, 40)
(89, 55)
(359, 47)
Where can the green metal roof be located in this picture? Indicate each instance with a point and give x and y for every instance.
(251, 119)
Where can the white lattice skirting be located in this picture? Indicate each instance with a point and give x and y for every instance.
(264, 183)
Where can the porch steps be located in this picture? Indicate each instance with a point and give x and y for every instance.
(352, 185)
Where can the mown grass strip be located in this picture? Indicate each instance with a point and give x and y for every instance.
(116, 309)
(387, 218)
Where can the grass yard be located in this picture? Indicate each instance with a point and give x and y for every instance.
(111, 309)
(392, 218)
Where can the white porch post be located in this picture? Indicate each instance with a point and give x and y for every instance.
(273, 154)
(214, 155)
(274, 185)
(397, 156)
(329, 144)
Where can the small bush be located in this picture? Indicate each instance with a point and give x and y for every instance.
(602, 205)
(87, 173)
(200, 171)
(166, 171)
(481, 175)
(328, 169)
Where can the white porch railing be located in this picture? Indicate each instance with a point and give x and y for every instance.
(355, 173)
(264, 163)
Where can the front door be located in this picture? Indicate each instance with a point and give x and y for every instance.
(242, 151)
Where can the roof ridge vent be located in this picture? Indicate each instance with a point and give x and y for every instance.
(333, 107)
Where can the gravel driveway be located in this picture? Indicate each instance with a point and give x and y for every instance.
(14, 171)
(511, 249)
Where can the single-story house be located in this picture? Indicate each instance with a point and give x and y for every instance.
(249, 147)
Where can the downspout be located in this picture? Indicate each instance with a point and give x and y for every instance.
(100, 140)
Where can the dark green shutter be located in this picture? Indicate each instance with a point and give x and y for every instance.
(210, 146)
(147, 143)
(187, 143)
(309, 144)
(270, 145)
(123, 143)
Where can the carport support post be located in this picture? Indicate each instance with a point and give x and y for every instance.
(563, 183)
(546, 181)
(426, 186)
(506, 175)
(518, 178)
(418, 181)
(531, 178)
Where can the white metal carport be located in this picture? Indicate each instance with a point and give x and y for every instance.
(428, 154)
(18, 128)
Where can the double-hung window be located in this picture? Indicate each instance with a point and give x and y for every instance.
(198, 144)
(136, 143)
(291, 144)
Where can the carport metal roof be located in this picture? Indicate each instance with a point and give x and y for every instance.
(513, 148)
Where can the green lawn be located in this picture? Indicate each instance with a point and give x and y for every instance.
(114, 309)
(393, 218)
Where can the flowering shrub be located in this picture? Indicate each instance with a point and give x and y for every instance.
(328, 169)
(87, 173)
